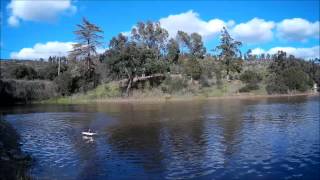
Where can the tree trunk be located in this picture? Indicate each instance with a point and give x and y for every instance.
(228, 76)
(59, 62)
(129, 86)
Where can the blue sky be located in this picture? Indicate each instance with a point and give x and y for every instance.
(30, 29)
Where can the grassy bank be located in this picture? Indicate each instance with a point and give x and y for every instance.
(111, 93)
(14, 163)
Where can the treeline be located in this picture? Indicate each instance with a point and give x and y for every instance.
(149, 58)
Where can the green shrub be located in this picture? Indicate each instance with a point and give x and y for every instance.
(290, 74)
(105, 90)
(296, 79)
(275, 84)
(174, 84)
(24, 72)
(290, 79)
(250, 77)
(22, 91)
(193, 69)
(66, 84)
(50, 71)
(249, 87)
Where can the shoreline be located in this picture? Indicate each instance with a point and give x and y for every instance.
(14, 163)
(170, 98)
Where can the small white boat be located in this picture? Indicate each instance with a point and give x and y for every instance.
(89, 133)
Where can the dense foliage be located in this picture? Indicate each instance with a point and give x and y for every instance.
(22, 91)
(24, 72)
(290, 74)
(251, 79)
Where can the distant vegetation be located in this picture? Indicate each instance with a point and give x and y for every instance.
(150, 63)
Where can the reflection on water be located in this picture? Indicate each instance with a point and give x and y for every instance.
(217, 139)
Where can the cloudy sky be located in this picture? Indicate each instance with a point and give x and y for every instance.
(31, 29)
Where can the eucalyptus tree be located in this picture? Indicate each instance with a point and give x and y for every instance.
(125, 59)
(230, 53)
(150, 36)
(184, 41)
(89, 38)
(192, 45)
(140, 54)
(173, 50)
(196, 46)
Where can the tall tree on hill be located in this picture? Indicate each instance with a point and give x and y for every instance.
(229, 52)
(197, 48)
(125, 59)
(173, 50)
(150, 36)
(191, 45)
(184, 41)
(89, 38)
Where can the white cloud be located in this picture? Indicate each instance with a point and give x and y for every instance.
(39, 10)
(297, 29)
(190, 22)
(306, 53)
(40, 50)
(257, 51)
(254, 31)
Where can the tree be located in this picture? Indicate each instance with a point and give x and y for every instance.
(191, 45)
(89, 39)
(229, 52)
(151, 36)
(125, 59)
(173, 50)
(184, 40)
(288, 74)
(193, 68)
(248, 55)
(197, 48)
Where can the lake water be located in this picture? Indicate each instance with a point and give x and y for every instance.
(274, 138)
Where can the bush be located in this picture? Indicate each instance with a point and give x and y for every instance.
(21, 91)
(275, 84)
(105, 90)
(65, 83)
(296, 79)
(87, 81)
(250, 77)
(249, 87)
(24, 72)
(173, 84)
(193, 69)
(291, 79)
(50, 71)
(289, 74)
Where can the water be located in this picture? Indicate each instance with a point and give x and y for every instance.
(216, 139)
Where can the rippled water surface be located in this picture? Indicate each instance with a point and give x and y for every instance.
(216, 139)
